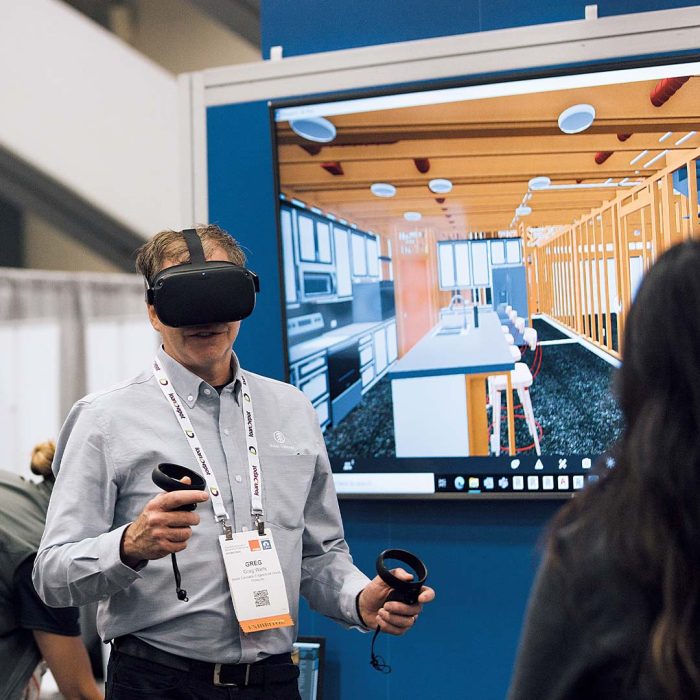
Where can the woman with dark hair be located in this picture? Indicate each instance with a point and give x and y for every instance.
(615, 610)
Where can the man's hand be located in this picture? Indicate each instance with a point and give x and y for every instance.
(392, 617)
(161, 529)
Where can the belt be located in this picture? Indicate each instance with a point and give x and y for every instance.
(273, 669)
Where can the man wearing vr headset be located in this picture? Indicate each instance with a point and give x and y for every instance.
(269, 489)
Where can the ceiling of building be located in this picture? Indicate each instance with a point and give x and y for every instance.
(489, 149)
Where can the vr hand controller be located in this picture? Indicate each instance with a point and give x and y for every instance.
(168, 477)
(402, 591)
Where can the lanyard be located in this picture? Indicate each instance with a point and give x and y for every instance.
(200, 457)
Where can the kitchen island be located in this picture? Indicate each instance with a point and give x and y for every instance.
(439, 390)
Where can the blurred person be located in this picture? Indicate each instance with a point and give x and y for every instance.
(30, 630)
(615, 609)
(110, 531)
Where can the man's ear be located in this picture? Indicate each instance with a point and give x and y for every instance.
(153, 318)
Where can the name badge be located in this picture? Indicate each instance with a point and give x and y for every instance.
(255, 580)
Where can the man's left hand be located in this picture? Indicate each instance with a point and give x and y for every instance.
(392, 617)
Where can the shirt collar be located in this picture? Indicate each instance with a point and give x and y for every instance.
(187, 384)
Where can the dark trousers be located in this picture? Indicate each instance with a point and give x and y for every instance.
(132, 678)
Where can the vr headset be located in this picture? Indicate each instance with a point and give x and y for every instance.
(200, 291)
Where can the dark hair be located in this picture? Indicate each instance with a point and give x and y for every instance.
(648, 506)
(170, 246)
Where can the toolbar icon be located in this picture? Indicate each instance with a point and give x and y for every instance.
(459, 483)
(548, 482)
(518, 483)
(586, 463)
(488, 482)
(539, 465)
(562, 463)
(503, 482)
(514, 463)
(578, 481)
(473, 482)
(533, 483)
(563, 483)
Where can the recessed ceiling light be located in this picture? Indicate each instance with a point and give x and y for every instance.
(412, 216)
(523, 210)
(577, 118)
(317, 129)
(382, 189)
(440, 186)
(541, 182)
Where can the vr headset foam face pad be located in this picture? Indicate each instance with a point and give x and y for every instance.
(213, 292)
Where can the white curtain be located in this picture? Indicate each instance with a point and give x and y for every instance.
(63, 335)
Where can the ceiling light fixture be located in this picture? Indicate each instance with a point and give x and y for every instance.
(523, 210)
(665, 136)
(440, 185)
(689, 135)
(638, 157)
(576, 118)
(382, 189)
(541, 182)
(318, 129)
(412, 216)
(655, 158)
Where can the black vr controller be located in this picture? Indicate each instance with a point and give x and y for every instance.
(167, 477)
(402, 591)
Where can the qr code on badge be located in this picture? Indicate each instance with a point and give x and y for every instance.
(262, 598)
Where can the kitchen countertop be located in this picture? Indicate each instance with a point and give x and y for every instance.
(480, 350)
(331, 338)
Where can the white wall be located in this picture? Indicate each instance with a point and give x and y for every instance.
(90, 111)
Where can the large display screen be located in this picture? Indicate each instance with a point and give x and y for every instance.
(458, 263)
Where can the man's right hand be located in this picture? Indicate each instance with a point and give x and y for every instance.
(161, 529)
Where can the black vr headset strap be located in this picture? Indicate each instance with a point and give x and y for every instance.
(194, 245)
(196, 250)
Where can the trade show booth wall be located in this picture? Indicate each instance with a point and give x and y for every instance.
(481, 554)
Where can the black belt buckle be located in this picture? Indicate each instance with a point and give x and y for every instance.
(223, 683)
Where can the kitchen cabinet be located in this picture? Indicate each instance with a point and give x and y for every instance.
(342, 262)
(380, 353)
(290, 270)
(392, 345)
(310, 375)
(365, 255)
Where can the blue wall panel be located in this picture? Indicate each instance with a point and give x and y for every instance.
(310, 26)
(242, 201)
(481, 558)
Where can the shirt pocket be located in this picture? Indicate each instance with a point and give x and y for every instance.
(286, 484)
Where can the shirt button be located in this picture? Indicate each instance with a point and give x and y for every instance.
(227, 431)
(190, 398)
(238, 478)
(207, 391)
